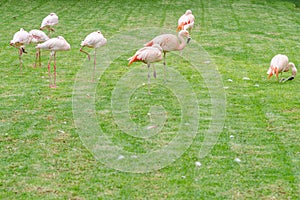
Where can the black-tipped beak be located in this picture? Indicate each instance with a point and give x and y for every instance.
(23, 50)
(188, 40)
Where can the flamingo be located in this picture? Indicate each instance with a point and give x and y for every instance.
(48, 22)
(38, 36)
(55, 44)
(280, 63)
(148, 55)
(93, 40)
(20, 39)
(186, 21)
(170, 42)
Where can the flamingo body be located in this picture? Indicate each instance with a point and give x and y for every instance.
(55, 44)
(93, 40)
(148, 55)
(20, 39)
(38, 36)
(170, 42)
(186, 21)
(280, 63)
(49, 21)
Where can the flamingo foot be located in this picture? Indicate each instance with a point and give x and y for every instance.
(52, 86)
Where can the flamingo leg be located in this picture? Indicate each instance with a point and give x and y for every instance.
(154, 71)
(36, 57)
(165, 68)
(148, 65)
(20, 59)
(94, 64)
(54, 73)
(49, 71)
(81, 49)
(39, 57)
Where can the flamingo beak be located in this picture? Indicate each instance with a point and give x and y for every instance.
(188, 40)
(269, 76)
(23, 50)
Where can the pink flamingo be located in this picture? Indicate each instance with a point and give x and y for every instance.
(280, 63)
(186, 21)
(38, 36)
(148, 55)
(20, 39)
(170, 42)
(48, 22)
(93, 40)
(55, 44)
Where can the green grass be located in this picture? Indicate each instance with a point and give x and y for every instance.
(43, 155)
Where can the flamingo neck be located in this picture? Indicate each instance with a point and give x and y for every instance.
(182, 42)
(294, 69)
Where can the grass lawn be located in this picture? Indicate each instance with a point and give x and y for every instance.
(109, 139)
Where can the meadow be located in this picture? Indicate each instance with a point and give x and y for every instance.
(109, 139)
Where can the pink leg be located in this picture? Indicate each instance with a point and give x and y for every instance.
(49, 71)
(40, 58)
(20, 59)
(54, 86)
(148, 65)
(36, 57)
(94, 65)
(81, 49)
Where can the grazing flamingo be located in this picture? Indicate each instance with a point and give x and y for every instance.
(55, 44)
(19, 40)
(148, 55)
(38, 36)
(93, 40)
(48, 22)
(280, 63)
(170, 42)
(186, 21)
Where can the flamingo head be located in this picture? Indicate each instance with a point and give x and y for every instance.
(294, 69)
(188, 12)
(270, 72)
(184, 33)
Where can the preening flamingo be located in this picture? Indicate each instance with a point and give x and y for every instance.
(148, 55)
(36, 37)
(93, 40)
(280, 63)
(186, 21)
(170, 42)
(55, 44)
(48, 22)
(20, 39)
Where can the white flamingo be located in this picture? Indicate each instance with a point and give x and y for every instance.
(36, 37)
(148, 55)
(55, 44)
(20, 39)
(170, 42)
(280, 63)
(48, 22)
(186, 21)
(93, 40)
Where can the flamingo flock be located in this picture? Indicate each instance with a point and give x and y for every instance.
(153, 51)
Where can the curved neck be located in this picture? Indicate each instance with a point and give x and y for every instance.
(293, 67)
(182, 42)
